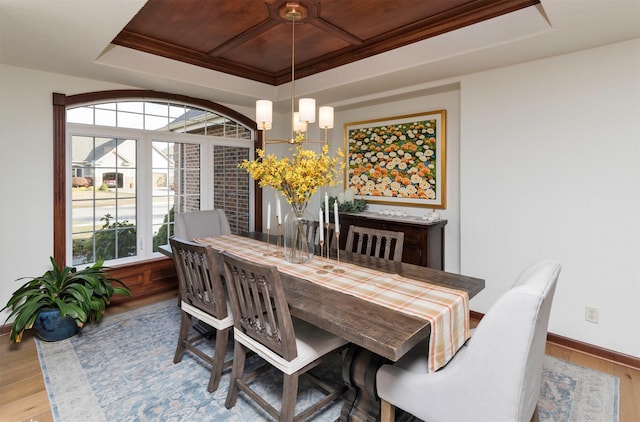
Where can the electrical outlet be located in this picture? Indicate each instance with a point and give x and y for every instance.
(591, 314)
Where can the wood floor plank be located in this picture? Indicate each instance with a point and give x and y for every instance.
(31, 383)
(28, 407)
(629, 393)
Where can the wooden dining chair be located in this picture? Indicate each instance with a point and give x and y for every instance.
(203, 298)
(373, 242)
(495, 376)
(264, 325)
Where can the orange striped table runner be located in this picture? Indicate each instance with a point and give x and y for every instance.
(447, 310)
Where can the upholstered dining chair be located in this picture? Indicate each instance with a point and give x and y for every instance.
(205, 223)
(379, 243)
(495, 376)
(202, 298)
(264, 325)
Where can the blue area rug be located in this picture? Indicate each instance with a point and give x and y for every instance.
(123, 370)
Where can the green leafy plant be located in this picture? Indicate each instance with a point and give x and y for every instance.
(354, 205)
(105, 239)
(82, 295)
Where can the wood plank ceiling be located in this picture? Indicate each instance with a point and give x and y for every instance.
(252, 38)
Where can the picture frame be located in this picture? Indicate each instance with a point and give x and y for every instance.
(398, 160)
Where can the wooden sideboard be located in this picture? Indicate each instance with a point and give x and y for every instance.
(423, 240)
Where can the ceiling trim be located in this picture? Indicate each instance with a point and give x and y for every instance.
(448, 20)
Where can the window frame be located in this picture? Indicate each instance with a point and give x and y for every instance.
(60, 154)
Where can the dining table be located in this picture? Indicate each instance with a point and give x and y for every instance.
(377, 334)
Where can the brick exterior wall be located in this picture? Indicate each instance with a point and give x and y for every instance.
(230, 184)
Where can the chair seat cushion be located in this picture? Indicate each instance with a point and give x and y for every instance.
(218, 324)
(311, 342)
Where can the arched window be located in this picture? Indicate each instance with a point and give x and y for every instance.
(134, 158)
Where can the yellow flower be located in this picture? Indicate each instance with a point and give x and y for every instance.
(298, 177)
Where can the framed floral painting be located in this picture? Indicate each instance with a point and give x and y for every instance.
(398, 160)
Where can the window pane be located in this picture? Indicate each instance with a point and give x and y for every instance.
(176, 185)
(176, 110)
(105, 117)
(176, 176)
(107, 106)
(80, 115)
(104, 199)
(156, 122)
(195, 121)
(157, 109)
(130, 120)
(132, 106)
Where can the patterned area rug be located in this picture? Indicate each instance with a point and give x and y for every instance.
(122, 370)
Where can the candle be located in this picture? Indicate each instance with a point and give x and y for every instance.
(335, 216)
(326, 205)
(269, 216)
(278, 211)
(320, 225)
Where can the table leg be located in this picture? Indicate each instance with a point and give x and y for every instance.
(359, 370)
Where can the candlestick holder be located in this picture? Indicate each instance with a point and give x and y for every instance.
(267, 252)
(278, 251)
(321, 271)
(327, 266)
(338, 270)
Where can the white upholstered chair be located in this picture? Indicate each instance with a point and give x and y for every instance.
(205, 223)
(495, 376)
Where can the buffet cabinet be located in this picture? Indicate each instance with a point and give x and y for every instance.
(423, 240)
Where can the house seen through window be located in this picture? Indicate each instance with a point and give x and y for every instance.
(136, 163)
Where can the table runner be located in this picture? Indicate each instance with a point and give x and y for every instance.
(447, 310)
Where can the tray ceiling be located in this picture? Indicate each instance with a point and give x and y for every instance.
(252, 38)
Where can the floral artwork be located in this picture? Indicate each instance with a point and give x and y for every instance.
(398, 160)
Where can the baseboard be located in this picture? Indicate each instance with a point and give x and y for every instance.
(590, 349)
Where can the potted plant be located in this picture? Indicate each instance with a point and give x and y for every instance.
(59, 302)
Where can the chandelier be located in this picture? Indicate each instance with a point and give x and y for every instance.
(306, 106)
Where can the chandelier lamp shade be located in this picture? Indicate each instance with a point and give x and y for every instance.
(306, 113)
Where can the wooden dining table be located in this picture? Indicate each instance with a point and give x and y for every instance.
(377, 334)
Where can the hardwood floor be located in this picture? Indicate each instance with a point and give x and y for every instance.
(23, 396)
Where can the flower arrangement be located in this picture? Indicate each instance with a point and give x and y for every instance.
(297, 177)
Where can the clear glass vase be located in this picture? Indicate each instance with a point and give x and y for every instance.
(299, 235)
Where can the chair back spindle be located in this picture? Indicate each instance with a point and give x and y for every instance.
(383, 244)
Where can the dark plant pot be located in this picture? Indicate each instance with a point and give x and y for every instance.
(50, 327)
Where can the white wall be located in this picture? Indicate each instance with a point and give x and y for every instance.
(550, 159)
(26, 170)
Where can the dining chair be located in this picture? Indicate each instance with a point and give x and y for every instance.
(264, 325)
(204, 223)
(202, 299)
(495, 376)
(379, 243)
